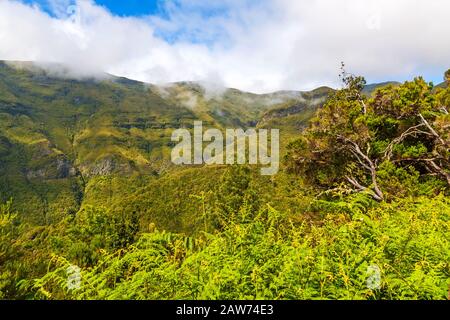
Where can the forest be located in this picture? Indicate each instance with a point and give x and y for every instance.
(360, 208)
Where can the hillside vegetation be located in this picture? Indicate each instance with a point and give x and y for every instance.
(363, 188)
(66, 142)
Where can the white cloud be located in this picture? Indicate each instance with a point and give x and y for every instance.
(254, 46)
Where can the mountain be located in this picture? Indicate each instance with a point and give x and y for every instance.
(371, 88)
(96, 197)
(442, 85)
(67, 142)
(293, 114)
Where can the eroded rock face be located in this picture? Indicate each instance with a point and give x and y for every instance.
(106, 166)
(103, 167)
(46, 162)
(57, 168)
(35, 174)
(65, 168)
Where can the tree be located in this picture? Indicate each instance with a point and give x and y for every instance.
(9, 251)
(8, 231)
(236, 193)
(352, 136)
(338, 142)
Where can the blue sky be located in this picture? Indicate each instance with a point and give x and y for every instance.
(118, 7)
(141, 8)
(131, 7)
(160, 9)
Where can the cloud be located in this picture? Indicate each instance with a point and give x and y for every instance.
(257, 46)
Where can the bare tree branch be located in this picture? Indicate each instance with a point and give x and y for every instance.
(363, 105)
(361, 188)
(355, 183)
(367, 164)
(440, 170)
(432, 130)
(412, 131)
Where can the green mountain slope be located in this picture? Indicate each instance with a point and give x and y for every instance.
(60, 137)
(66, 143)
(371, 88)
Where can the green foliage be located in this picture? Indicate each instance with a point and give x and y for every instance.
(58, 132)
(353, 204)
(399, 182)
(402, 130)
(8, 231)
(236, 191)
(269, 257)
(8, 248)
(366, 187)
(96, 228)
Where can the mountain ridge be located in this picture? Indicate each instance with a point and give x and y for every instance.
(60, 137)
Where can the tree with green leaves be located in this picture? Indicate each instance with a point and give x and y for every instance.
(236, 192)
(9, 251)
(353, 137)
